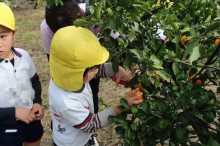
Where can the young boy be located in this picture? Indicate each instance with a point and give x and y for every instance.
(74, 59)
(20, 97)
(59, 16)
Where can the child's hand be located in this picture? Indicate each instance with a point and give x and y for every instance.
(38, 110)
(122, 75)
(24, 114)
(132, 98)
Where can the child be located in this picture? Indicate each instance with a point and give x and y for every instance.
(74, 59)
(20, 97)
(59, 16)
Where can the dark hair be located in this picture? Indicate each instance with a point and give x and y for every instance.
(90, 68)
(62, 16)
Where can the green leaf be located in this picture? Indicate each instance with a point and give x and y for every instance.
(124, 102)
(213, 26)
(103, 3)
(81, 22)
(118, 8)
(162, 75)
(128, 133)
(133, 126)
(144, 106)
(135, 18)
(190, 47)
(134, 108)
(167, 33)
(181, 133)
(181, 5)
(175, 27)
(162, 107)
(175, 68)
(208, 19)
(178, 51)
(175, 40)
(157, 62)
(121, 28)
(92, 9)
(175, 87)
(110, 12)
(113, 24)
(213, 142)
(195, 54)
(163, 123)
(135, 51)
(97, 11)
(186, 29)
(180, 76)
(120, 120)
(131, 35)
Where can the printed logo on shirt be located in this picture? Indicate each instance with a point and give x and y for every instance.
(60, 129)
(87, 107)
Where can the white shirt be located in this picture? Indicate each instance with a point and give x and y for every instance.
(16, 86)
(69, 109)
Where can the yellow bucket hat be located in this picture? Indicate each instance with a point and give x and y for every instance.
(73, 49)
(7, 18)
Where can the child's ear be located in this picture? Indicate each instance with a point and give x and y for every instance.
(14, 33)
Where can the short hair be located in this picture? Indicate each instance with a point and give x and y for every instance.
(90, 68)
(62, 16)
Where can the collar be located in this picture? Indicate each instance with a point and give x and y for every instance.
(80, 90)
(18, 54)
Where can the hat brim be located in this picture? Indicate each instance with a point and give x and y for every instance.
(105, 55)
(7, 26)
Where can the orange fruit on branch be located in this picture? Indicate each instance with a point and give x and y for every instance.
(139, 86)
(153, 74)
(217, 41)
(184, 40)
(140, 97)
(196, 82)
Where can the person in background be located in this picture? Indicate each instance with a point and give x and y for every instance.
(20, 97)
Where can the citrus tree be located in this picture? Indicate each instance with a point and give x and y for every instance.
(175, 73)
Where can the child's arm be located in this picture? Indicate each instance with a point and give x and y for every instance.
(36, 85)
(94, 122)
(10, 114)
(106, 70)
(37, 108)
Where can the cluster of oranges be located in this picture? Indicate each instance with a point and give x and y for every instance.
(141, 88)
(184, 37)
(196, 82)
(185, 42)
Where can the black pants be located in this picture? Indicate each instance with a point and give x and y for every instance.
(94, 83)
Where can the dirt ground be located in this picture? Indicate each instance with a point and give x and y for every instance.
(28, 37)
